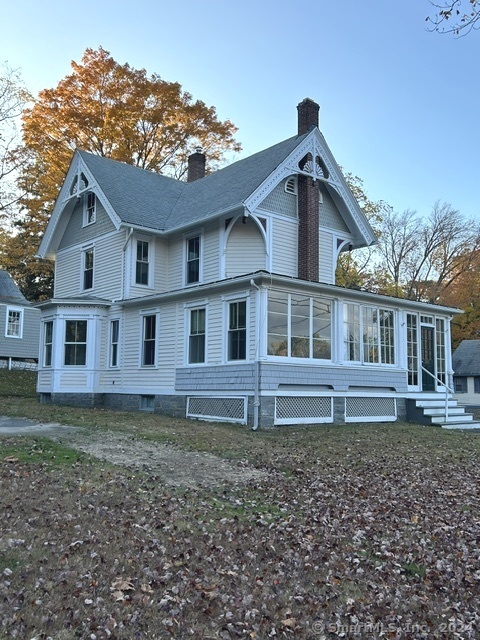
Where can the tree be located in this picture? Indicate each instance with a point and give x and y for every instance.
(115, 111)
(456, 16)
(13, 97)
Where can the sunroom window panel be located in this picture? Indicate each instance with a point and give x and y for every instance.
(277, 324)
(300, 326)
(322, 329)
(352, 332)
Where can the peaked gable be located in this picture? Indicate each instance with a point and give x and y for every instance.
(9, 291)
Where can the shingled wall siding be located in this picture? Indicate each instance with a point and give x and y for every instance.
(227, 378)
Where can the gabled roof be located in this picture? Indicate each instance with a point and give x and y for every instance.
(466, 358)
(134, 197)
(9, 292)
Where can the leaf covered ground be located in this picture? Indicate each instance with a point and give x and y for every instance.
(359, 531)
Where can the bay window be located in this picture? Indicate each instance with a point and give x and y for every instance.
(75, 342)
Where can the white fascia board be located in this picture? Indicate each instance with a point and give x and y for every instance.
(65, 203)
(316, 145)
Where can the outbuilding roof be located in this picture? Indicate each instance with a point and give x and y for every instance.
(466, 358)
(9, 292)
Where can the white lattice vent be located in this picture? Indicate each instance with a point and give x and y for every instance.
(303, 409)
(225, 409)
(370, 409)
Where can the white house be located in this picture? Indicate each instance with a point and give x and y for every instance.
(19, 326)
(216, 297)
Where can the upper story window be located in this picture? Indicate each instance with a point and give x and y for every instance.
(88, 269)
(14, 324)
(75, 342)
(299, 326)
(47, 343)
(237, 330)
(369, 334)
(197, 336)
(193, 259)
(90, 208)
(142, 262)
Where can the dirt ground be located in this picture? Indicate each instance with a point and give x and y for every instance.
(172, 466)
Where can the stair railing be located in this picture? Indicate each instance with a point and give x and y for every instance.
(447, 389)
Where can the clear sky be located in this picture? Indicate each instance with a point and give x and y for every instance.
(399, 105)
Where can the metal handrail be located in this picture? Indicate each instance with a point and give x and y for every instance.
(447, 389)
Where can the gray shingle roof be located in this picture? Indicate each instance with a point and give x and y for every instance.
(146, 199)
(9, 292)
(466, 358)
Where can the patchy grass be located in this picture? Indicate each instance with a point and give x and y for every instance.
(362, 530)
(20, 384)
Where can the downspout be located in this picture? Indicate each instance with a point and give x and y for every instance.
(256, 381)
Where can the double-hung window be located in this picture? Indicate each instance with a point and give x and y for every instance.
(75, 342)
(14, 324)
(88, 269)
(47, 343)
(197, 336)
(142, 262)
(90, 210)
(193, 248)
(237, 330)
(149, 338)
(114, 340)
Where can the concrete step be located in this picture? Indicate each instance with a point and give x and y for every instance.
(438, 402)
(465, 418)
(474, 425)
(440, 411)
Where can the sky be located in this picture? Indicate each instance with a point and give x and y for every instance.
(400, 105)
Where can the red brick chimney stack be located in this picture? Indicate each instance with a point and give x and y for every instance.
(307, 115)
(308, 203)
(196, 165)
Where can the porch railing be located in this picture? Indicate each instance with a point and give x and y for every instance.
(447, 389)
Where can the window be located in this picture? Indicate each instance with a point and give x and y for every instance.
(476, 384)
(369, 334)
(90, 209)
(88, 269)
(148, 340)
(237, 330)
(299, 326)
(193, 260)
(196, 339)
(412, 349)
(47, 343)
(440, 344)
(460, 383)
(114, 336)
(14, 323)
(141, 268)
(75, 342)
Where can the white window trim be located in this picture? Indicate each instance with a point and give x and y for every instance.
(71, 367)
(21, 311)
(227, 300)
(151, 261)
(110, 365)
(149, 312)
(86, 222)
(90, 247)
(198, 233)
(189, 307)
(44, 343)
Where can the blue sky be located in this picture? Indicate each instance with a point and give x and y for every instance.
(399, 105)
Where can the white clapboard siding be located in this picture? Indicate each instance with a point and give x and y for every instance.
(245, 249)
(75, 233)
(285, 252)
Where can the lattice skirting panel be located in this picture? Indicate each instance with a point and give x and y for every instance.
(370, 409)
(303, 409)
(232, 409)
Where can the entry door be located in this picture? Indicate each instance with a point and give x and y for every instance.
(428, 357)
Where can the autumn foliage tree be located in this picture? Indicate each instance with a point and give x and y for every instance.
(455, 16)
(115, 111)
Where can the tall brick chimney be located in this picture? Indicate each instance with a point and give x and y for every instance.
(308, 202)
(307, 115)
(196, 166)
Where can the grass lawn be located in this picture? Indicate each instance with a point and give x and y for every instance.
(358, 531)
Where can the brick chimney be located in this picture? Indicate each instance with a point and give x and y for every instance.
(307, 115)
(196, 166)
(308, 203)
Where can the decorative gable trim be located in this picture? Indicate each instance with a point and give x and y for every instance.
(313, 158)
(79, 180)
